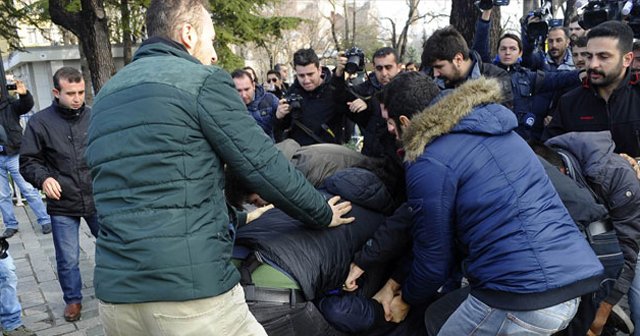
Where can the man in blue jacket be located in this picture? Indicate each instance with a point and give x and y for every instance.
(480, 199)
(262, 106)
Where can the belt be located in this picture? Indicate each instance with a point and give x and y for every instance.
(253, 294)
(599, 227)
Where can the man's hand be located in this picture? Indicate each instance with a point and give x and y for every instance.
(385, 296)
(354, 274)
(486, 14)
(341, 62)
(255, 214)
(21, 88)
(601, 318)
(633, 163)
(283, 109)
(52, 188)
(357, 105)
(399, 309)
(339, 210)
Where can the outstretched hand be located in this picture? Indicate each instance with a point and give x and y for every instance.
(339, 210)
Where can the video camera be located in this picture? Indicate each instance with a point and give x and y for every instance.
(538, 30)
(599, 11)
(355, 60)
(488, 4)
(12, 87)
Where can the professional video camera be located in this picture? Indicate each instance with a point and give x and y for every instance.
(538, 30)
(597, 12)
(488, 4)
(631, 11)
(355, 60)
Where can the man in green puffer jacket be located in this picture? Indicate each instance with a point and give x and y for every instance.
(161, 133)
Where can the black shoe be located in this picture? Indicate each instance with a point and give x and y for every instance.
(620, 320)
(46, 228)
(9, 232)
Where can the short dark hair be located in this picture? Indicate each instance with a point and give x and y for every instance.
(274, 72)
(278, 67)
(580, 42)
(385, 51)
(513, 37)
(253, 73)
(444, 44)
(636, 46)
(69, 74)
(408, 93)
(546, 153)
(574, 18)
(239, 73)
(164, 16)
(565, 30)
(617, 30)
(304, 57)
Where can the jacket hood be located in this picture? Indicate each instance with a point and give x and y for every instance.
(589, 148)
(471, 108)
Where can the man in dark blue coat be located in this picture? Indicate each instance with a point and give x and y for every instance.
(521, 252)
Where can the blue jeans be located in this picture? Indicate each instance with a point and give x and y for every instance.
(67, 245)
(10, 165)
(9, 306)
(474, 317)
(634, 300)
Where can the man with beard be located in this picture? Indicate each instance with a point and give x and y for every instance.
(446, 52)
(636, 56)
(575, 31)
(610, 96)
(558, 56)
(579, 53)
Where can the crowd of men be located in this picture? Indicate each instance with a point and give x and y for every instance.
(491, 196)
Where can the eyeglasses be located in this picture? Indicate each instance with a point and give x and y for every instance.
(272, 80)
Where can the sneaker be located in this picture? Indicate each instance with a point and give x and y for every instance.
(19, 331)
(46, 229)
(620, 320)
(9, 232)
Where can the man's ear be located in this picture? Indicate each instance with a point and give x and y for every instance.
(56, 93)
(404, 121)
(458, 59)
(188, 36)
(627, 59)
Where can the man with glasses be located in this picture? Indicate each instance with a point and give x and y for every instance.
(274, 84)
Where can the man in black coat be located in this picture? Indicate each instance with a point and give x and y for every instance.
(52, 158)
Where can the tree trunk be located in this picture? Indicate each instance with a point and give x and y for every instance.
(353, 30)
(464, 15)
(347, 45)
(496, 31)
(126, 31)
(569, 12)
(90, 25)
(86, 75)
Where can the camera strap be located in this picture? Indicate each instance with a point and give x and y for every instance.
(307, 130)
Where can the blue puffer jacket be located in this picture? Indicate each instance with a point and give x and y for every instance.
(477, 190)
(263, 109)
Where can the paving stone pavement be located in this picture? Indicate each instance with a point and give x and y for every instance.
(38, 287)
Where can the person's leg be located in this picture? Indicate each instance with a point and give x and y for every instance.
(475, 317)
(28, 191)
(224, 315)
(634, 300)
(439, 312)
(6, 197)
(92, 222)
(66, 243)
(10, 308)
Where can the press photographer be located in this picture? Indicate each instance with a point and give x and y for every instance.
(319, 119)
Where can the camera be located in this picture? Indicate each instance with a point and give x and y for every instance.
(293, 99)
(538, 30)
(355, 60)
(597, 12)
(4, 247)
(631, 10)
(488, 4)
(12, 87)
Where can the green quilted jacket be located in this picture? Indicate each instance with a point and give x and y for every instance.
(162, 130)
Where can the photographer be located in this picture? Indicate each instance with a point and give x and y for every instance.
(532, 90)
(274, 84)
(558, 57)
(309, 113)
(364, 108)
